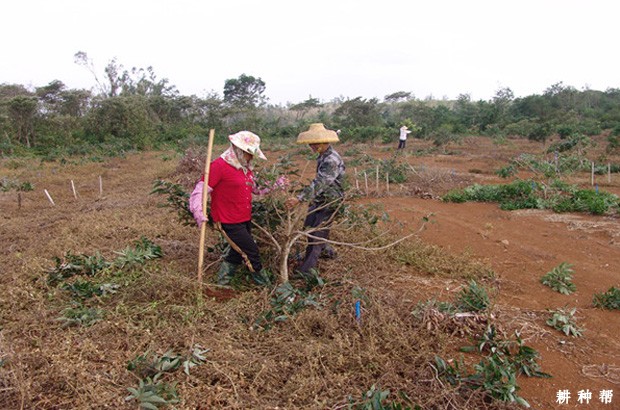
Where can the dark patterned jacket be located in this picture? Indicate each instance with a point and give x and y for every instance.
(327, 184)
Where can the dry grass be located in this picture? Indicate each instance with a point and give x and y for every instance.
(314, 360)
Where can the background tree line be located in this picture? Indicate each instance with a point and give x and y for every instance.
(134, 109)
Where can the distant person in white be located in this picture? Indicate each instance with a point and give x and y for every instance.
(403, 136)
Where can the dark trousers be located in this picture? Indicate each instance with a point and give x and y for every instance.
(241, 235)
(401, 144)
(313, 251)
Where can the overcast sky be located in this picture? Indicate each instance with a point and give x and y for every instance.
(320, 48)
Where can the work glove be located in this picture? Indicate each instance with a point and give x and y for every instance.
(279, 184)
(195, 203)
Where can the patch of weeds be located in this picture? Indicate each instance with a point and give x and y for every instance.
(149, 365)
(507, 171)
(375, 399)
(152, 391)
(143, 250)
(286, 302)
(85, 289)
(564, 321)
(7, 185)
(604, 169)
(91, 265)
(587, 200)
(497, 372)
(312, 279)
(559, 279)
(522, 194)
(474, 298)
(608, 300)
(74, 265)
(498, 378)
(519, 194)
(80, 316)
(522, 356)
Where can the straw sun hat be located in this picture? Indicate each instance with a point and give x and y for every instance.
(317, 134)
(248, 142)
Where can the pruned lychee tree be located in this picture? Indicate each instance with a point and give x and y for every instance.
(280, 231)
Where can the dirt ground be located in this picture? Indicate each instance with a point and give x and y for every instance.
(519, 246)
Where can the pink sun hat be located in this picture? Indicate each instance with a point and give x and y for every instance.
(248, 142)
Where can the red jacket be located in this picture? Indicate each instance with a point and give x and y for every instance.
(231, 198)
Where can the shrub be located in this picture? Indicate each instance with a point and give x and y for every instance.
(563, 320)
(474, 298)
(587, 200)
(608, 300)
(559, 279)
(507, 171)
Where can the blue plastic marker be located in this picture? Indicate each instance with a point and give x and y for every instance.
(358, 310)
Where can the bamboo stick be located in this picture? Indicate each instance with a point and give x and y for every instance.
(366, 182)
(203, 227)
(73, 189)
(100, 186)
(49, 197)
(592, 173)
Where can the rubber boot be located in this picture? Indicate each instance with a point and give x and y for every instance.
(262, 277)
(226, 272)
(328, 252)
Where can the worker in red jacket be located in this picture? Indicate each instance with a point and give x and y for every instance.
(231, 183)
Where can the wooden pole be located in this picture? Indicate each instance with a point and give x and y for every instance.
(203, 227)
(366, 182)
(47, 194)
(100, 186)
(592, 173)
(377, 180)
(73, 189)
(608, 172)
(387, 183)
(357, 183)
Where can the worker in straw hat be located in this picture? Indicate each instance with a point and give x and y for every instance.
(231, 183)
(324, 193)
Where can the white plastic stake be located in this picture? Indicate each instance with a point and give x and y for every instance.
(100, 186)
